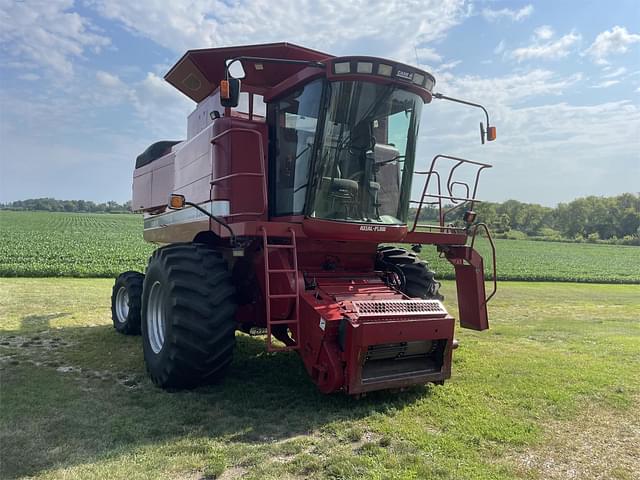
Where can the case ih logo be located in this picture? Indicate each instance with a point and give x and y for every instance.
(404, 75)
(372, 228)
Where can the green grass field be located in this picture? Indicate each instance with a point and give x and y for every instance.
(40, 244)
(551, 391)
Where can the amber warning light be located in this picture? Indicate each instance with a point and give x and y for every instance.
(224, 89)
(176, 202)
(491, 133)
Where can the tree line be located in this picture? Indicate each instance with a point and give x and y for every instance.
(590, 218)
(584, 219)
(78, 206)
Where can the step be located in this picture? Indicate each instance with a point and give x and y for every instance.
(283, 322)
(282, 270)
(283, 295)
(270, 245)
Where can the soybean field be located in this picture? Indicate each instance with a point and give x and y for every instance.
(539, 261)
(42, 244)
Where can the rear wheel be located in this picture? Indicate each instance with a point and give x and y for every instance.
(125, 303)
(416, 278)
(188, 325)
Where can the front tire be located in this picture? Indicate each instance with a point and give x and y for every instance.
(126, 298)
(188, 325)
(418, 279)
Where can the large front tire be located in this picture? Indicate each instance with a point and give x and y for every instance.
(188, 309)
(418, 280)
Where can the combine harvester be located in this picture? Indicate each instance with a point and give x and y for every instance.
(273, 213)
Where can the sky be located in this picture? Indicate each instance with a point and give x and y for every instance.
(82, 90)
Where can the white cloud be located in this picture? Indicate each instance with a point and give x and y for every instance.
(154, 95)
(616, 73)
(108, 80)
(514, 15)
(509, 89)
(549, 51)
(391, 28)
(46, 33)
(606, 84)
(426, 55)
(544, 32)
(499, 48)
(448, 66)
(610, 42)
(157, 105)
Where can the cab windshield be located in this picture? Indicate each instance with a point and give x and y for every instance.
(365, 158)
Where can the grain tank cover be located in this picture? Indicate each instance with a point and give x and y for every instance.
(198, 73)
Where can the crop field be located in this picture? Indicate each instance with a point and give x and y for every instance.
(40, 244)
(529, 260)
(550, 392)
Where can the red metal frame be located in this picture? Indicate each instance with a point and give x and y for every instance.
(261, 174)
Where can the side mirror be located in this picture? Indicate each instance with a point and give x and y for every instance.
(490, 134)
(176, 201)
(230, 92)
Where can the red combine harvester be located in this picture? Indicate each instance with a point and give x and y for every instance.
(273, 213)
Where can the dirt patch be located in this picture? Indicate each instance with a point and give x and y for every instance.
(598, 444)
(39, 349)
(232, 473)
(366, 439)
(44, 350)
(36, 343)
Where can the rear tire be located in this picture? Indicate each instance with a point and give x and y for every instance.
(126, 298)
(419, 280)
(188, 309)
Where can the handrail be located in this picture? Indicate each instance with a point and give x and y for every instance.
(493, 256)
(464, 184)
(450, 183)
(245, 174)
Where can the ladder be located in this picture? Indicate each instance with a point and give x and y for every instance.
(292, 323)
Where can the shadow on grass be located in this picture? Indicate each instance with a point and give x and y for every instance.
(66, 406)
(40, 321)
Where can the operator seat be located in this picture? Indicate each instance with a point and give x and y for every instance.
(338, 196)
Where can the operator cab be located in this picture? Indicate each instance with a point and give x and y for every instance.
(344, 150)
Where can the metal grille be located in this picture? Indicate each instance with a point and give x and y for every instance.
(385, 308)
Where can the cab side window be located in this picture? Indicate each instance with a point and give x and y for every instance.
(294, 121)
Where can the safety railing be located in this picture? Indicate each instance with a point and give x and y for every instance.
(260, 174)
(433, 193)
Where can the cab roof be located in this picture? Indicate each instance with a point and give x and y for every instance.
(199, 72)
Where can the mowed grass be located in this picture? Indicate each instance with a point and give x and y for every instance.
(40, 244)
(551, 391)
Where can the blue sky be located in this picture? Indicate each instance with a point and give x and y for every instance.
(81, 88)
